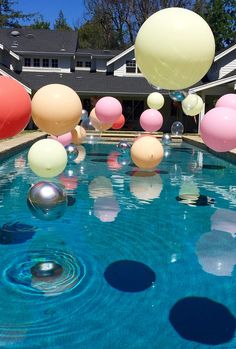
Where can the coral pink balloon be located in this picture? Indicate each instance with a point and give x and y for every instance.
(228, 101)
(218, 129)
(151, 120)
(119, 123)
(65, 139)
(108, 109)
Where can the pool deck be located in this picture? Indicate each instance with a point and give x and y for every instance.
(23, 140)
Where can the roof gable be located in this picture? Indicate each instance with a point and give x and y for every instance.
(119, 56)
(225, 52)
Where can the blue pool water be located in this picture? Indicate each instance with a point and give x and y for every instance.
(148, 258)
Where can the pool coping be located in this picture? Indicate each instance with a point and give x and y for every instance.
(22, 141)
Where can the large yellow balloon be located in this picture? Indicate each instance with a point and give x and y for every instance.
(47, 158)
(147, 152)
(194, 110)
(56, 109)
(174, 48)
(97, 124)
(155, 100)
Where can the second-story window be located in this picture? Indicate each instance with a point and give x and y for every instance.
(36, 62)
(88, 64)
(27, 62)
(55, 63)
(45, 62)
(130, 67)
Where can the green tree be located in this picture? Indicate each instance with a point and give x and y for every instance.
(11, 18)
(40, 23)
(220, 15)
(61, 23)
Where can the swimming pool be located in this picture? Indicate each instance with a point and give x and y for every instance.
(147, 258)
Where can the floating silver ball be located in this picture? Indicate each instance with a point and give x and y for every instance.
(166, 138)
(46, 269)
(72, 152)
(123, 146)
(177, 96)
(47, 200)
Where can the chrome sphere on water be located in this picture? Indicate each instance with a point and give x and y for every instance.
(72, 152)
(123, 146)
(46, 269)
(47, 200)
(166, 138)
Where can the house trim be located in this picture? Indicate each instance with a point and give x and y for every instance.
(13, 54)
(3, 73)
(122, 54)
(225, 52)
(212, 84)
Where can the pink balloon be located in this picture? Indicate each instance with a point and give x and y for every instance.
(218, 129)
(151, 120)
(228, 101)
(65, 139)
(108, 109)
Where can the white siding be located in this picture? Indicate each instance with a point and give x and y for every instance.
(64, 64)
(120, 65)
(82, 59)
(223, 66)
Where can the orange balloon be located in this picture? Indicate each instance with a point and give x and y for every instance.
(56, 109)
(97, 124)
(78, 135)
(147, 152)
(119, 123)
(15, 107)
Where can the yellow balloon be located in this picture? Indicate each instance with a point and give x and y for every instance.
(56, 109)
(189, 102)
(78, 135)
(47, 158)
(97, 124)
(155, 100)
(147, 152)
(174, 48)
(196, 109)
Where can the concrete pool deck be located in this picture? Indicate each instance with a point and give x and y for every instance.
(23, 140)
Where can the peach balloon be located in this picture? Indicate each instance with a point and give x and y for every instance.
(78, 135)
(56, 109)
(97, 124)
(147, 152)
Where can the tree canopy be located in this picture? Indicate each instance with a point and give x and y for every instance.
(9, 17)
(61, 23)
(40, 23)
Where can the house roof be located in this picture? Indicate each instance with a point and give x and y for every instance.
(97, 53)
(225, 51)
(39, 40)
(86, 83)
(8, 72)
(120, 55)
(215, 83)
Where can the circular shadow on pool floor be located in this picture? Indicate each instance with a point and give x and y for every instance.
(202, 320)
(129, 276)
(16, 233)
(213, 167)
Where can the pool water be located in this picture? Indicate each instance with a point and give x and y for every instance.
(148, 258)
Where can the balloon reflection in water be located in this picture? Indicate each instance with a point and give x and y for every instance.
(112, 161)
(146, 185)
(166, 138)
(216, 252)
(82, 154)
(47, 200)
(106, 209)
(69, 178)
(224, 220)
(100, 187)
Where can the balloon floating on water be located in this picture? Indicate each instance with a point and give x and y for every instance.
(46, 269)
(47, 200)
(123, 146)
(72, 152)
(147, 152)
(166, 138)
(177, 128)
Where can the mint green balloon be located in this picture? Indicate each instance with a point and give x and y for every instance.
(47, 158)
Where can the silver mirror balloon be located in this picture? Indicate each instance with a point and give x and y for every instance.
(123, 146)
(72, 152)
(166, 138)
(47, 200)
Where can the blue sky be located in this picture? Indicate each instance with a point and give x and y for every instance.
(73, 9)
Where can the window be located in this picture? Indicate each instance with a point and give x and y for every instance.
(36, 62)
(45, 62)
(55, 63)
(88, 64)
(79, 64)
(27, 62)
(130, 67)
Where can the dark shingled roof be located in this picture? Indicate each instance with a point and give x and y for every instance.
(39, 40)
(86, 83)
(14, 75)
(94, 52)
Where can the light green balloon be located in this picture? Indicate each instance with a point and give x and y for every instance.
(47, 158)
(155, 100)
(196, 109)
